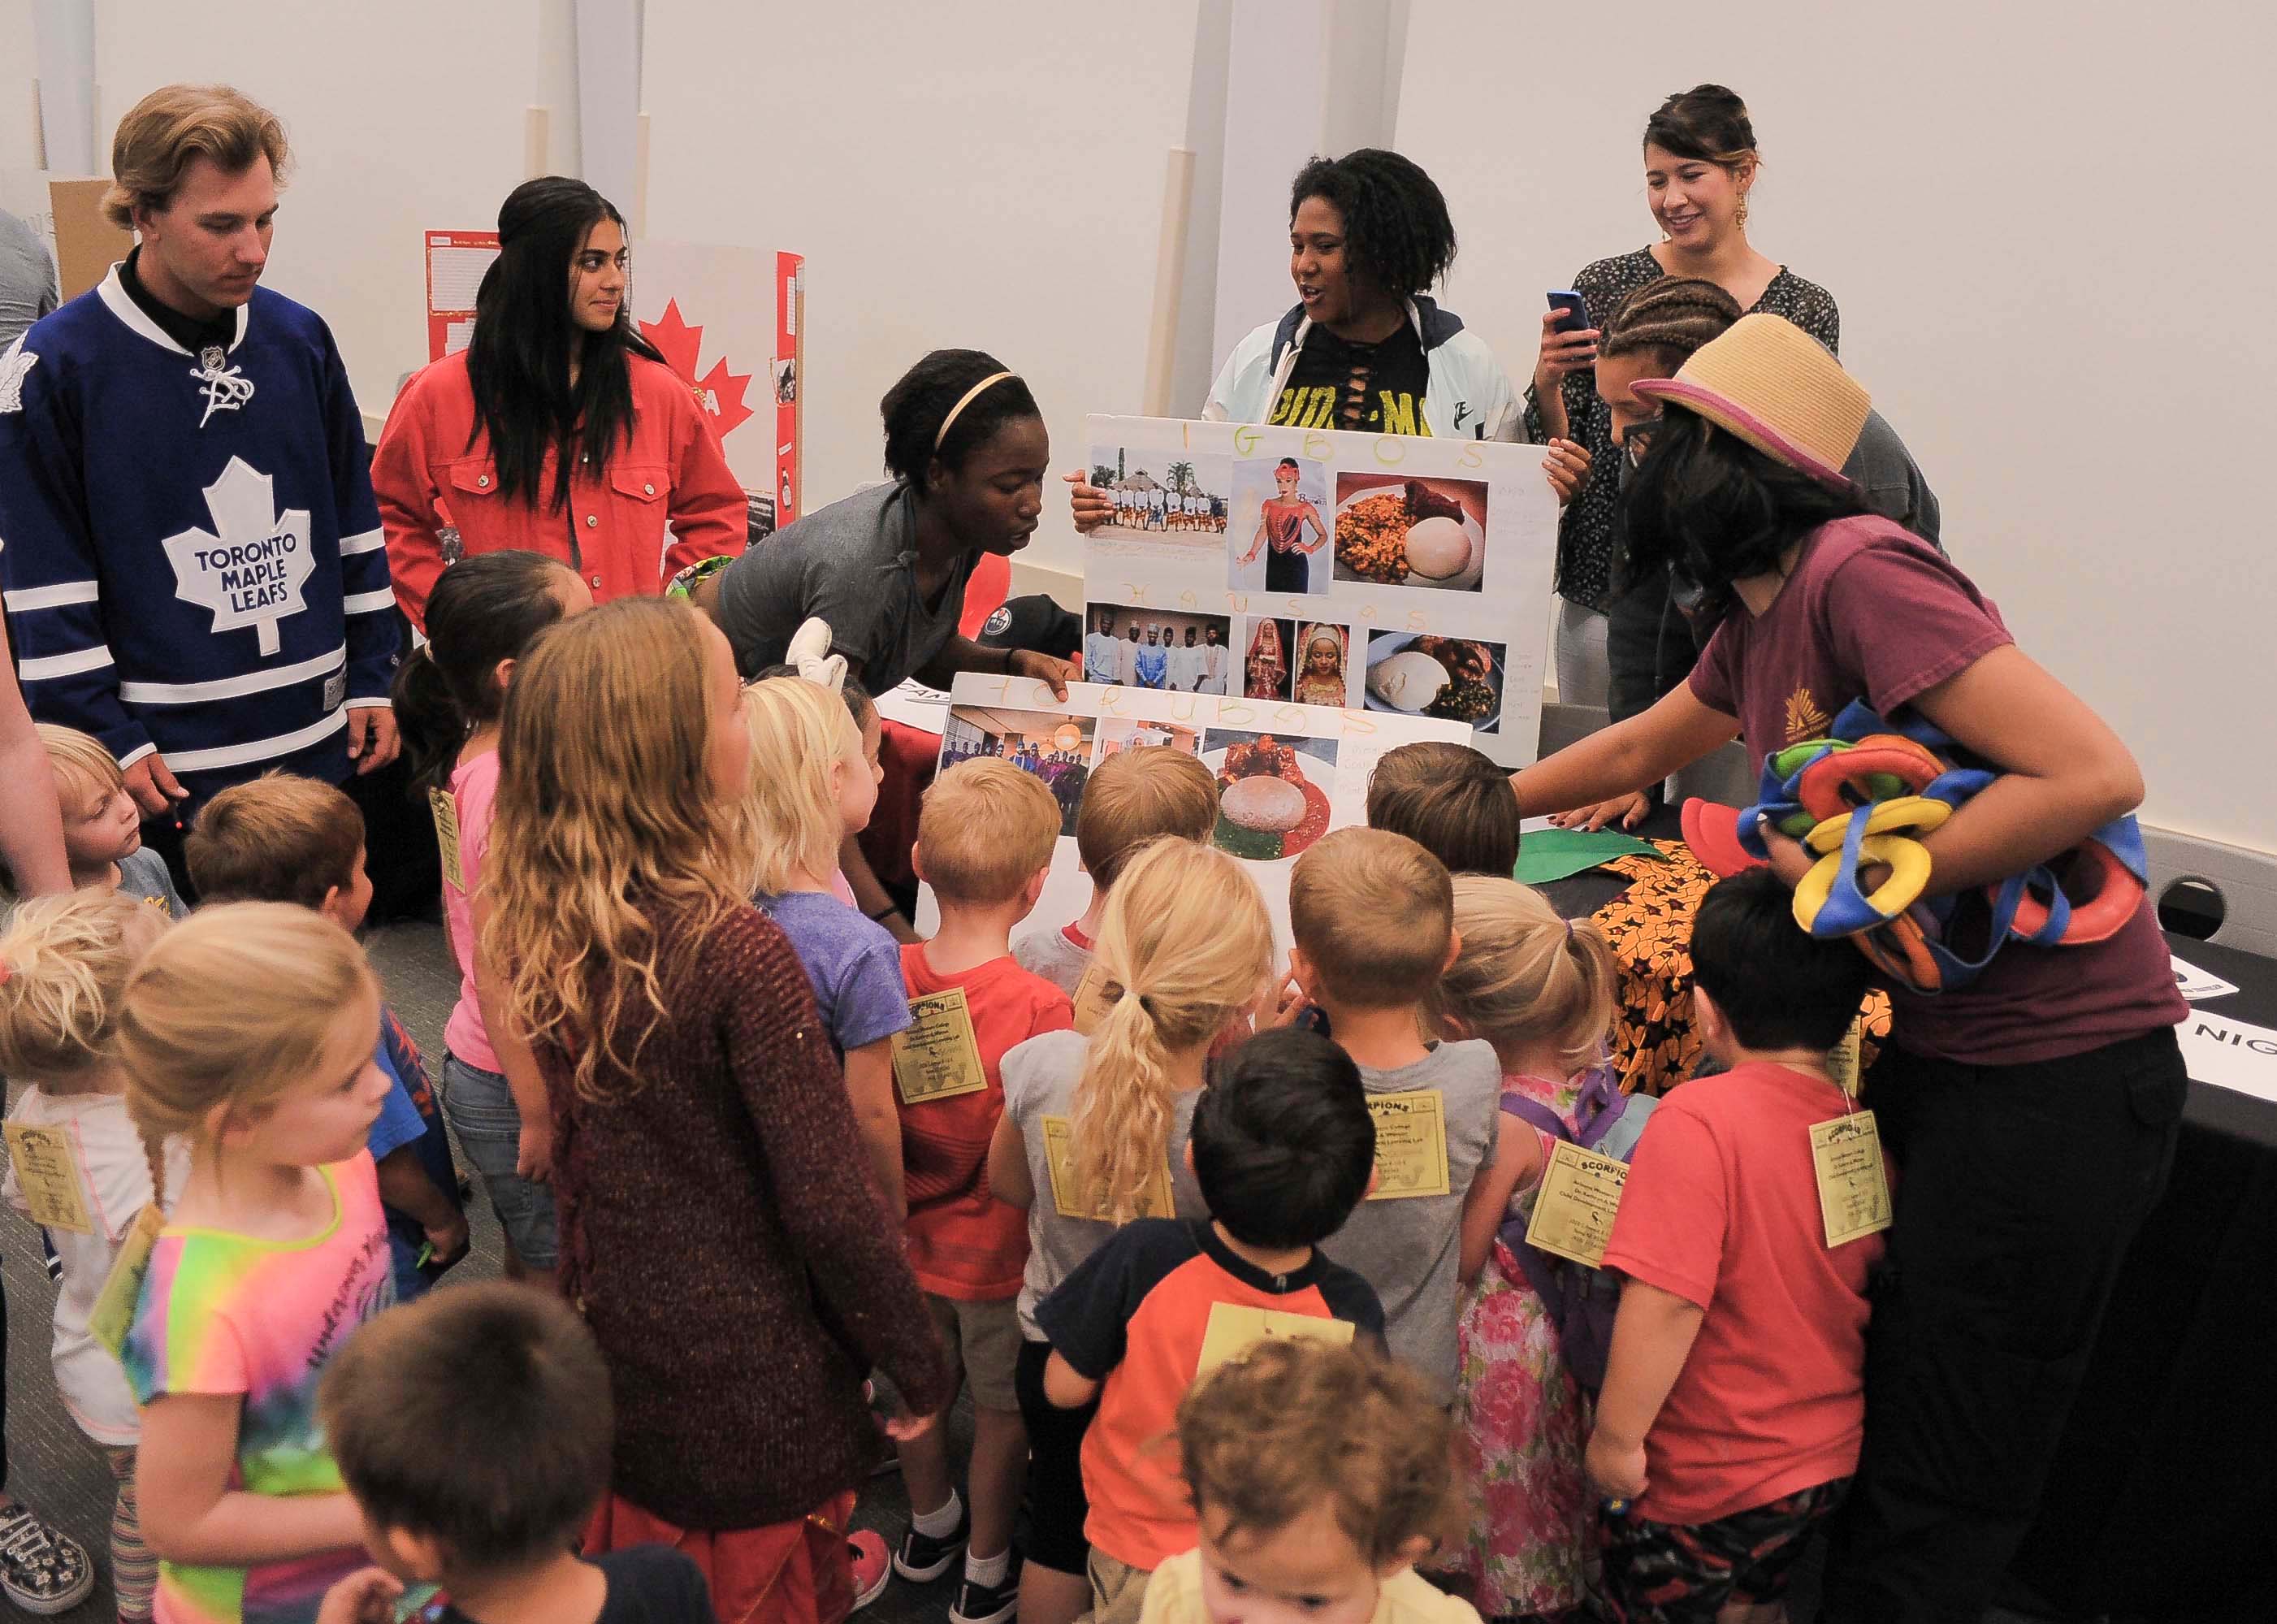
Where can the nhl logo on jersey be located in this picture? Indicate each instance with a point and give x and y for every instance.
(213, 358)
(250, 568)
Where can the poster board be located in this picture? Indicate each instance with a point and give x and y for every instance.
(1327, 754)
(1404, 576)
(738, 349)
(455, 264)
(86, 244)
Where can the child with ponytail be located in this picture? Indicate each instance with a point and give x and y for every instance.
(64, 962)
(1093, 1135)
(483, 614)
(249, 1030)
(1541, 991)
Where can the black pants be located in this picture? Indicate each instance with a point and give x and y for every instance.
(2019, 1188)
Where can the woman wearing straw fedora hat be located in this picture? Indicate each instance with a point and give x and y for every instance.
(2006, 1243)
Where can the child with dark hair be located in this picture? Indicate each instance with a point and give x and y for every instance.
(1451, 800)
(480, 1485)
(1319, 1477)
(1283, 1147)
(1731, 1458)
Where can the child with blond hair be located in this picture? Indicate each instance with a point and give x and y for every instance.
(1131, 797)
(64, 962)
(248, 1030)
(814, 786)
(1094, 1131)
(1318, 1475)
(1373, 915)
(985, 839)
(1543, 992)
(102, 828)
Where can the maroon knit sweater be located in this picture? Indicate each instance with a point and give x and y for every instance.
(720, 1236)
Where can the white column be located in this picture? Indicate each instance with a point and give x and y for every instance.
(64, 45)
(608, 99)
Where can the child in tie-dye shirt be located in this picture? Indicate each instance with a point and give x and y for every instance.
(250, 1028)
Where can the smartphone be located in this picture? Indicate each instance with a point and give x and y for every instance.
(1576, 318)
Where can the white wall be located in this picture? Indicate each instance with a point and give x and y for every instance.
(20, 122)
(2051, 239)
(401, 117)
(983, 177)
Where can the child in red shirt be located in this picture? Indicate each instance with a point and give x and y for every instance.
(985, 839)
(1735, 1397)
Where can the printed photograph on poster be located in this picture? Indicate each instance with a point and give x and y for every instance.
(1278, 531)
(1457, 679)
(1172, 499)
(1397, 530)
(1118, 733)
(1272, 791)
(1268, 659)
(1157, 648)
(1322, 664)
(1045, 744)
(786, 376)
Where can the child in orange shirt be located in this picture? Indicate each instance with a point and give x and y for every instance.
(984, 840)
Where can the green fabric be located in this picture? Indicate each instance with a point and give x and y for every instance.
(1556, 854)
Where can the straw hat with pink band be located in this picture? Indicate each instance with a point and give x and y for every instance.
(1772, 384)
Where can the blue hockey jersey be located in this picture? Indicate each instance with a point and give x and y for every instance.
(192, 559)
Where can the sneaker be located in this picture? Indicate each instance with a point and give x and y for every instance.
(42, 1570)
(988, 1603)
(922, 1557)
(866, 1548)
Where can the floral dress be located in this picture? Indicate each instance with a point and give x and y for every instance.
(1521, 1426)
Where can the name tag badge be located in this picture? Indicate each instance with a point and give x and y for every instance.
(1091, 1003)
(937, 1058)
(1410, 1145)
(1235, 1328)
(46, 1174)
(1842, 1060)
(1156, 1201)
(447, 837)
(1575, 1209)
(1853, 1187)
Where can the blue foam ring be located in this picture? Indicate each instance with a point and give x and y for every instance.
(1850, 910)
(1954, 972)
(1780, 800)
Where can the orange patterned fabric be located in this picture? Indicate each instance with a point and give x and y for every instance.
(1649, 926)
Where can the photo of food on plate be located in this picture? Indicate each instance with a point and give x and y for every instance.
(1323, 656)
(1456, 679)
(1272, 792)
(1053, 748)
(1393, 530)
(1131, 646)
(1279, 526)
(1268, 659)
(1163, 496)
(1118, 733)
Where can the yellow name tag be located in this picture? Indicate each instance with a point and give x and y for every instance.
(48, 1175)
(1411, 1144)
(1235, 1328)
(113, 1315)
(446, 836)
(1580, 1198)
(1842, 1059)
(1091, 1001)
(1154, 1201)
(937, 1058)
(1854, 1188)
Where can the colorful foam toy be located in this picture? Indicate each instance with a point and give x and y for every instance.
(1865, 796)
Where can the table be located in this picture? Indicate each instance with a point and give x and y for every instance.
(2165, 1481)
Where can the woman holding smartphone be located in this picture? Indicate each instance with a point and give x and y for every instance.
(1700, 163)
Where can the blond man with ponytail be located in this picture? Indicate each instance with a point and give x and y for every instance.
(1094, 1131)
(64, 963)
(1543, 991)
(249, 1030)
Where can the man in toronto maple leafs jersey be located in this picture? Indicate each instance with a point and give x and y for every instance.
(193, 562)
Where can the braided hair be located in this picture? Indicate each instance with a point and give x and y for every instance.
(1398, 233)
(1670, 317)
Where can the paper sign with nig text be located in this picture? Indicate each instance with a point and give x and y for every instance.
(1235, 1328)
(1411, 1144)
(1853, 1187)
(1580, 1198)
(48, 1175)
(936, 1058)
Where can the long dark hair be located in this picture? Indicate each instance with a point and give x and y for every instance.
(484, 609)
(518, 361)
(1717, 510)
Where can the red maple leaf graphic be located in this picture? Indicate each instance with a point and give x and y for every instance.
(718, 392)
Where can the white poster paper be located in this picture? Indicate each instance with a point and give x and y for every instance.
(2230, 1054)
(2199, 985)
(1401, 575)
(1326, 756)
(710, 310)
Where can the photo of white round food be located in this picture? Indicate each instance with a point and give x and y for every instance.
(1455, 679)
(1269, 806)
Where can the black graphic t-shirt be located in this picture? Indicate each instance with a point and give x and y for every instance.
(1372, 388)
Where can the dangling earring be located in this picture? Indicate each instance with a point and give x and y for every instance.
(1741, 221)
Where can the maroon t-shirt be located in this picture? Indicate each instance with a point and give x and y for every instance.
(1873, 613)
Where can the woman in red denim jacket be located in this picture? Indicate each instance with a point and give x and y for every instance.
(558, 430)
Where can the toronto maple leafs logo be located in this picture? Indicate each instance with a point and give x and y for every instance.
(718, 392)
(250, 570)
(14, 366)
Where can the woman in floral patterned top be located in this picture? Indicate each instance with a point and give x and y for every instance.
(1700, 163)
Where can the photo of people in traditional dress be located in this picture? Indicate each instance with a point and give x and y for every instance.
(1323, 662)
(1268, 659)
(1163, 496)
(1139, 647)
(1118, 733)
(1055, 748)
(1278, 505)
